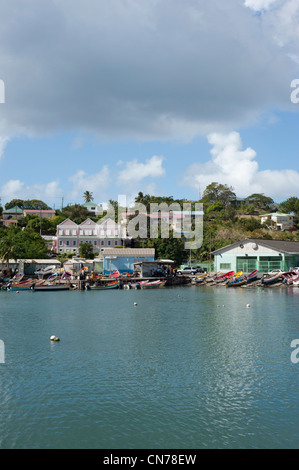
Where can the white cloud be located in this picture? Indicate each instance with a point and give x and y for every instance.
(16, 189)
(96, 183)
(237, 167)
(135, 171)
(259, 5)
(3, 142)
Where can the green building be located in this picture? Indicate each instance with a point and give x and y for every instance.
(253, 253)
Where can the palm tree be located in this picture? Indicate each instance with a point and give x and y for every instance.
(8, 247)
(88, 196)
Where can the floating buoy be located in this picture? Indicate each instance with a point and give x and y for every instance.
(248, 305)
(54, 338)
(135, 303)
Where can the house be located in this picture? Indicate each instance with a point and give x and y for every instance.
(123, 259)
(253, 253)
(278, 221)
(44, 213)
(14, 212)
(93, 209)
(102, 234)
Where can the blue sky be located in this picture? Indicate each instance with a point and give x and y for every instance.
(157, 96)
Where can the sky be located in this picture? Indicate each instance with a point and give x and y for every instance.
(159, 96)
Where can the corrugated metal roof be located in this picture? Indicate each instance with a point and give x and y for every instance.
(288, 247)
(129, 252)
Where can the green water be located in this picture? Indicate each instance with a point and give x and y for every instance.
(187, 368)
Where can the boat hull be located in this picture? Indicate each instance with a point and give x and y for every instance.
(115, 285)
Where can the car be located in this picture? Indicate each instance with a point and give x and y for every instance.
(199, 269)
(187, 270)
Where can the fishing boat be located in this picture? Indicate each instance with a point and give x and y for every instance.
(225, 276)
(271, 278)
(50, 287)
(111, 285)
(153, 285)
(252, 276)
(237, 281)
(22, 285)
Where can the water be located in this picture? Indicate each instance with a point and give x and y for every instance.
(187, 368)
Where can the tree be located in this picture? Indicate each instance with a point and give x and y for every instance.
(76, 213)
(35, 204)
(86, 250)
(260, 201)
(216, 192)
(290, 205)
(8, 247)
(87, 196)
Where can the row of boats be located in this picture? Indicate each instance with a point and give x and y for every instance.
(50, 284)
(232, 279)
(136, 285)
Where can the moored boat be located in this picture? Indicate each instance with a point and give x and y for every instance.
(111, 285)
(237, 281)
(252, 276)
(271, 278)
(153, 285)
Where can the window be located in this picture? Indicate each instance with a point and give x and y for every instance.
(67, 243)
(74, 243)
(95, 243)
(225, 265)
(109, 242)
(67, 232)
(115, 243)
(60, 242)
(74, 232)
(102, 243)
(60, 232)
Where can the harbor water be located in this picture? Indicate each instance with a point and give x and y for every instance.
(186, 368)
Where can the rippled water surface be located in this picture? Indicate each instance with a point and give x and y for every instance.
(188, 367)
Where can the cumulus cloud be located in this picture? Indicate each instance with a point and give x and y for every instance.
(237, 167)
(135, 171)
(16, 189)
(97, 183)
(155, 69)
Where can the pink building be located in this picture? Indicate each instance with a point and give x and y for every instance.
(99, 235)
(45, 213)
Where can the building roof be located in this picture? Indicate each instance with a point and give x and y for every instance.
(279, 214)
(128, 252)
(282, 246)
(13, 210)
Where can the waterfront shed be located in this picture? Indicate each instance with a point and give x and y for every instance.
(123, 259)
(254, 253)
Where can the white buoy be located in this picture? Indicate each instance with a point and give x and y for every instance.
(54, 338)
(135, 303)
(248, 305)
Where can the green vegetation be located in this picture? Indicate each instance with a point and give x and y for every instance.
(226, 219)
(16, 243)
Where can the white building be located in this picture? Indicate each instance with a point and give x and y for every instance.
(278, 221)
